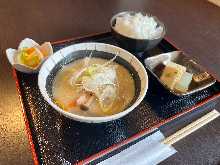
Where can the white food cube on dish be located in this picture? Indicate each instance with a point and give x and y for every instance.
(177, 66)
(184, 82)
(172, 74)
(169, 77)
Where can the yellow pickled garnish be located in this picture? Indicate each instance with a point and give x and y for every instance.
(30, 57)
(60, 104)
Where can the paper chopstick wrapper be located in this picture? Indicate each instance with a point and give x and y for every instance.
(143, 152)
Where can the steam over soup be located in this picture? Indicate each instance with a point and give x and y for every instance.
(93, 87)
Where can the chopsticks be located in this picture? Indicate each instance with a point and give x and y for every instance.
(191, 127)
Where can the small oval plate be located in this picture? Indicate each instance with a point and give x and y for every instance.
(156, 65)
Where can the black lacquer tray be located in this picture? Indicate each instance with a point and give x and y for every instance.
(55, 139)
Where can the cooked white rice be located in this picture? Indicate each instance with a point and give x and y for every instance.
(138, 26)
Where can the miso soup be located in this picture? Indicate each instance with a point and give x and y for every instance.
(93, 87)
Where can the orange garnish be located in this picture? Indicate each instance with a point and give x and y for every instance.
(30, 57)
(30, 50)
(71, 104)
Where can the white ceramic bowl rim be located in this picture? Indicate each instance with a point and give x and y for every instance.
(85, 118)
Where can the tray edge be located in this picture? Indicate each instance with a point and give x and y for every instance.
(26, 121)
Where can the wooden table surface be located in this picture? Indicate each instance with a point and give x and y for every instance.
(194, 26)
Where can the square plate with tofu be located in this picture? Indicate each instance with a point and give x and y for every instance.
(178, 73)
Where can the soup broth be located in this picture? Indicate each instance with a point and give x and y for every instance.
(93, 87)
